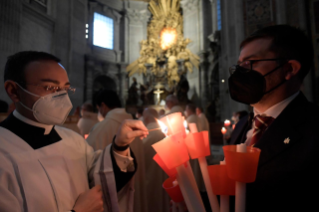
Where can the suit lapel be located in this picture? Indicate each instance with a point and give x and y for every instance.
(285, 126)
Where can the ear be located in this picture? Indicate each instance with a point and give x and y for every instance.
(292, 69)
(12, 90)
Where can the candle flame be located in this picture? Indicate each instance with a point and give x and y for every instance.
(163, 127)
(186, 126)
(223, 130)
(226, 123)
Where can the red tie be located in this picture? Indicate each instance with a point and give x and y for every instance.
(261, 124)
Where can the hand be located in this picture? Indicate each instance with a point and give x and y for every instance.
(90, 201)
(129, 130)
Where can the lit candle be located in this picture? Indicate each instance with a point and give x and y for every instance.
(240, 201)
(173, 152)
(226, 123)
(198, 147)
(223, 130)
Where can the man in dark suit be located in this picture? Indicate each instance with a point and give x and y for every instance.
(271, 67)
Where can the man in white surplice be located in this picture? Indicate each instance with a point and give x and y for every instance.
(109, 106)
(172, 104)
(45, 167)
(158, 200)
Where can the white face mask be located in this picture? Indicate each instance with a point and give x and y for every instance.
(100, 116)
(50, 109)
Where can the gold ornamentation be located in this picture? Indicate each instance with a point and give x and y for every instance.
(164, 40)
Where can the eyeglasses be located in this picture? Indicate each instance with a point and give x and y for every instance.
(53, 89)
(247, 65)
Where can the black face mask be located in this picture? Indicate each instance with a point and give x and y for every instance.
(249, 86)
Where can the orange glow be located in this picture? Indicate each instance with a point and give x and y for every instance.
(86, 136)
(224, 130)
(168, 38)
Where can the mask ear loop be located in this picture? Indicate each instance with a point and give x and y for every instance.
(28, 92)
(279, 83)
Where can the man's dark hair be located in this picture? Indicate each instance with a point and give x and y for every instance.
(109, 97)
(289, 43)
(16, 64)
(192, 107)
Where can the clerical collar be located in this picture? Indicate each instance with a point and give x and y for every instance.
(47, 128)
(31, 132)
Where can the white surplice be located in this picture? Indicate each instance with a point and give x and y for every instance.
(86, 122)
(52, 177)
(46, 179)
(103, 133)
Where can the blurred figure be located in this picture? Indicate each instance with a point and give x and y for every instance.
(202, 119)
(88, 119)
(172, 104)
(161, 113)
(191, 117)
(158, 200)
(109, 106)
(238, 115)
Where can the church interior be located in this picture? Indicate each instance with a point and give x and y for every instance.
(147, 50)
(206, 43)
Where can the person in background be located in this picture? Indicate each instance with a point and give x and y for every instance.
(46, 167)
(238, 115)
(191, 117)
(88, 119)
(202, 119)
(271, 66)
(157, 198)
(110, 107)
(161, 113)
(171, 103)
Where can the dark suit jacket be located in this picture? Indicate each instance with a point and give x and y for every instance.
(287, 177)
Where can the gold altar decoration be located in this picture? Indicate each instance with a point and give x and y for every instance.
(165, 44)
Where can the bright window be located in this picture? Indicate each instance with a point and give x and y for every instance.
(103, 31)
(219, 16)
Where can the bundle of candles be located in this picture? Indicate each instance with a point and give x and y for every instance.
(229, 178)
